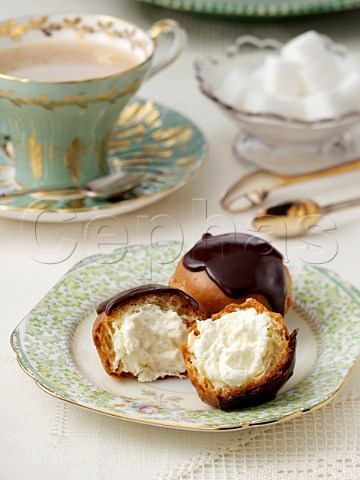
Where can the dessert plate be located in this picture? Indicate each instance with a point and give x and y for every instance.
(257, 8)
(148, 137)
(54, 345)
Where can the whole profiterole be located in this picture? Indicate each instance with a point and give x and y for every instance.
(229, 268)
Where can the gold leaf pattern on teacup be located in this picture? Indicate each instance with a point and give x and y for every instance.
(36, 23)
(72, 22)
(4, 180)
(34, 152)
(80, 97)
(80, 100)
(103, 151)
(6, 29)
(105, 26)
(16, 30)
(13, 30)
(73, 157)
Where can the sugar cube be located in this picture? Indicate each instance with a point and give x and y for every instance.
(291, 107)
(238, 102)
(305, 48)
(349, 89)
(281, 76)
(234, 83)
(258, 102)
(258, 75)
(324, 105)
(321, 74)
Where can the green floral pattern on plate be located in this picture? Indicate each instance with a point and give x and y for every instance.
(43, 341)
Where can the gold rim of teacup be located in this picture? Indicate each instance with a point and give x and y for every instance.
(155, 30)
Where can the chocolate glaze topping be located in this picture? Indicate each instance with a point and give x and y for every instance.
(240, 264)
(135, 293)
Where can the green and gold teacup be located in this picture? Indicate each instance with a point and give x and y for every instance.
(60, 126)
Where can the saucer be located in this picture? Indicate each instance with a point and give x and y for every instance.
(148, 137)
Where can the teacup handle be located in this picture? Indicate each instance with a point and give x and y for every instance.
(179, 40)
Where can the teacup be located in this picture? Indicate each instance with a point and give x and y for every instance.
(60, 117)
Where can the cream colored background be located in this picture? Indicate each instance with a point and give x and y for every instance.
(42, 437)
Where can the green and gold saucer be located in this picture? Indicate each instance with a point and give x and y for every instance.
(148, 137)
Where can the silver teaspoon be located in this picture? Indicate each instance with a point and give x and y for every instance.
(294, 218)
(109, 186)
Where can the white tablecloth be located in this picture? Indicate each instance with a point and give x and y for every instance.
(42, 437)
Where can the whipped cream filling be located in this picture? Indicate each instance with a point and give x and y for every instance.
(234, 349)
(147, 343)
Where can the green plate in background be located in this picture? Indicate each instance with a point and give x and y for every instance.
(257, 8)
